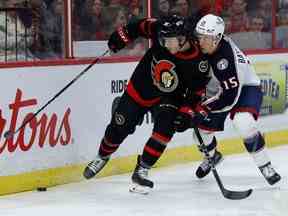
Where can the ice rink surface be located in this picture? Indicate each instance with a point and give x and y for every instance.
(177, 192)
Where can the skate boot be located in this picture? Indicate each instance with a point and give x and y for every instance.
(204, 168)
(95, 166)
(141, 184)
(269, 173)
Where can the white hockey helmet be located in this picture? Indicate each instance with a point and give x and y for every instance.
(211, 25)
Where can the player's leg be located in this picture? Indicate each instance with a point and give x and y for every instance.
(123, 122)
(163, 131)
(214, 122)
(254, 142)
(244, 117)
(210, 142)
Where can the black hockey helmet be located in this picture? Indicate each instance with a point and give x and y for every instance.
(171, 26)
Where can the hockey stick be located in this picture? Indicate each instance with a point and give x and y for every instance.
(233, 195)
(8, 134)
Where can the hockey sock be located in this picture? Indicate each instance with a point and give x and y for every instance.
(210, 147)
(107, 148)
(153, 149)
(256, 147)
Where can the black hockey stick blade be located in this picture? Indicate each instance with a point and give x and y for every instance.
(233, 195)
(236, 195)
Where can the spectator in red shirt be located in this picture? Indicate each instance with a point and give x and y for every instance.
(210, 6)
(226, 5)
(238, 16)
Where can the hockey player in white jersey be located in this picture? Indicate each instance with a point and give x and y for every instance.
(238, 95)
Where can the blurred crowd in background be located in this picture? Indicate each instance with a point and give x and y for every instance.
(33, 29)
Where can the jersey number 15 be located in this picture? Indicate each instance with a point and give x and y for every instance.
(230, 83)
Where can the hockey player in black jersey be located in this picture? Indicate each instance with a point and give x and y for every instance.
(158, 84)
(237, 94)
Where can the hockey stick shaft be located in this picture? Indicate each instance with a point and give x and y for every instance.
(8, 133)
(234, 195)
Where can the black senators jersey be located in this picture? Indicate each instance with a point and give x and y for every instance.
(159, 73)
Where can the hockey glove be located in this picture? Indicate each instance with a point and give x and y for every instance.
(188, 118)
(201, 112)
(118, 39)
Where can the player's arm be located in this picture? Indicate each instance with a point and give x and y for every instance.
(187, 115)
(224, 100)
(124, 35)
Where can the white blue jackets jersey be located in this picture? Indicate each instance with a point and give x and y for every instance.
(231, 70)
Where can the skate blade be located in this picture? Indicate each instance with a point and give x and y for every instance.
(139, 189)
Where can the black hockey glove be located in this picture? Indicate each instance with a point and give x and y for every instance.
(118, 39)
(189, 118)
(201, 113)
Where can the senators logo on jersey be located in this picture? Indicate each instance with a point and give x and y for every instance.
(164, 75)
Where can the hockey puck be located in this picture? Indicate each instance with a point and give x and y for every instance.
(41, 189)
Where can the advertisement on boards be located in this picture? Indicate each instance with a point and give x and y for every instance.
(273, 76)
(68, 131)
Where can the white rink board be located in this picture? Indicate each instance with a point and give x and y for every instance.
(89, 100)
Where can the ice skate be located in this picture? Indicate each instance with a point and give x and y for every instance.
(204, 168)
(270, 174)
(94, 167)
(141, 184)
